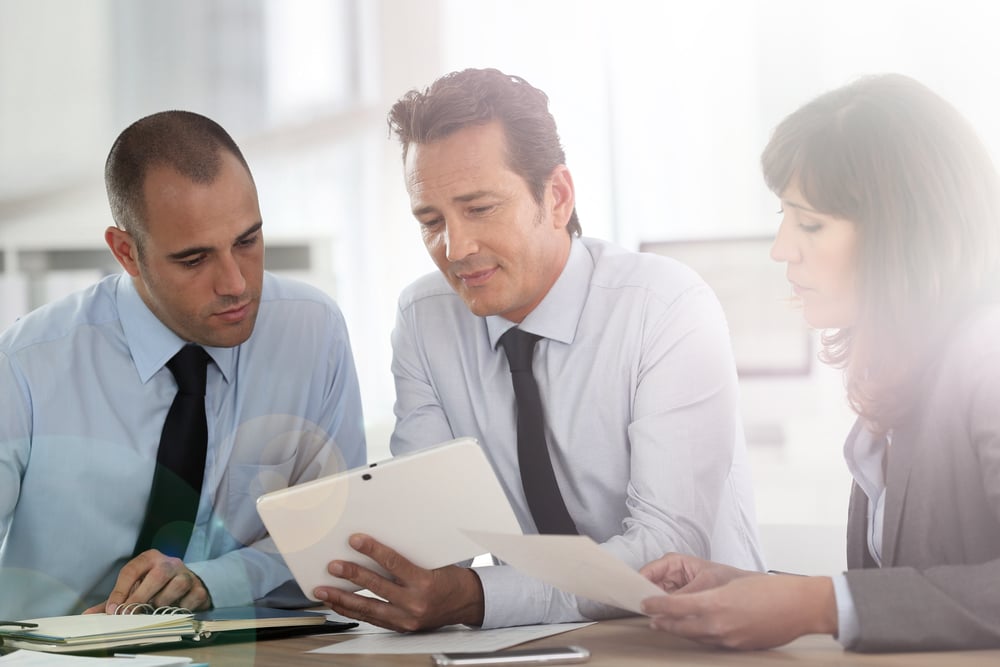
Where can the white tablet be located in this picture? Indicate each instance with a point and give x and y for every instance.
(417, 504)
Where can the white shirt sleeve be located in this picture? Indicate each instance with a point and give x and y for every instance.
(848, 627)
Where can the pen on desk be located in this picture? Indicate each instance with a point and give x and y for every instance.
(19, 624)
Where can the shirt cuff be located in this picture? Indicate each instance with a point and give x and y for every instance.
(224, 583)
(848, 627)
(511, 598)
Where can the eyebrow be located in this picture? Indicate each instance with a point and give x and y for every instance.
(801, 207)
(199, 250)
(461, 199)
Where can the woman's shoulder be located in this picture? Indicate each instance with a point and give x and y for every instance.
(971, 350)
(978, 331)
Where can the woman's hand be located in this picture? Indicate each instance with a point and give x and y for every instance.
(725, 606)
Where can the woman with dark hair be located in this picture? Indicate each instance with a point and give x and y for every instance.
(891, 233)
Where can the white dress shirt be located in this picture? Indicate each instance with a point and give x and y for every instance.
(639, 392)
(864, 455)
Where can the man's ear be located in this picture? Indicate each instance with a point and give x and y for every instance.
(560, 188)
(123, 248)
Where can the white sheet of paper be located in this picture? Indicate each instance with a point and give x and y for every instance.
(24, 658)
(572, 563)
(452, 638)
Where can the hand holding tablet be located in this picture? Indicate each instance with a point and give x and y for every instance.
(418, 504)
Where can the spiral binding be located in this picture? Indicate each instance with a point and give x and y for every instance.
(146, 608)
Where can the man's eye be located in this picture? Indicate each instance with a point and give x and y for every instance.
(191, 263)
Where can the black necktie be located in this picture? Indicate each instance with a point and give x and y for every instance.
(180, 460)
(539, 481)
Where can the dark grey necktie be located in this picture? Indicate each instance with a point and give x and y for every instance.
(180, 459)
(539, 481)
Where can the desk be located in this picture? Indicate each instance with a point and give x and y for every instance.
(618, 643)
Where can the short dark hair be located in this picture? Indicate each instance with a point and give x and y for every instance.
(185, 141)
(480, 96)
(902, 164)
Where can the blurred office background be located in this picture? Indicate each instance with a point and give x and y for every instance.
(663, 108)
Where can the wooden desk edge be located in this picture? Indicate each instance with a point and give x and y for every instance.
(626, 642)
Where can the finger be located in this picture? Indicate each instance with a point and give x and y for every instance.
(708, 629)
(671, 572)
(156, 579)
(129, 578)
(668, 585)
(702, 581)
(361, 608)
(342, 601)
(362, 577)
(198, 597)
(675, 606)
(658, 568)
(689, 616)
(97, 609)
(690, 627)
(173, 590)
(656, 606)
(388, 558)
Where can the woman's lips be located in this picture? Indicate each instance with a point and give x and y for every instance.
(798, 289)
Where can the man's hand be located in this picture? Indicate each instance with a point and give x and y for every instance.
(746, 612)
(679, 572)
(159, 580)
(415, 598)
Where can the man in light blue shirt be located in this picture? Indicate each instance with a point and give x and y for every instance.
(84, 391)
(633, 366)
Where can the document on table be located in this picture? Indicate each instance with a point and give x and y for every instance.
(572, 563)
(452, 638)
(25, 658)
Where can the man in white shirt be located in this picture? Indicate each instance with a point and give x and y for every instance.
(633, 366)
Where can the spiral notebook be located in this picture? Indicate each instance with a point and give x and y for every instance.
(140, 626)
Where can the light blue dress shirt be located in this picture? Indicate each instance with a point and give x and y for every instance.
(639, 392)
(83, 396)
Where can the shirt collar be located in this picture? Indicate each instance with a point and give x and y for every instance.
(150, 342)
(559, 313)
(863, 453)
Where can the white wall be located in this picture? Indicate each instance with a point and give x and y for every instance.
(663, 108)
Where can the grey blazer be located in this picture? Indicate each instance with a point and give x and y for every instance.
(939, 584)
